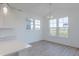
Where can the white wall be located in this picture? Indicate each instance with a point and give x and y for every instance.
(72, 11)
(17, 20)
(29, 36)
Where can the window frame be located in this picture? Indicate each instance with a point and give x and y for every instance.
(58, 28)
(31, 24)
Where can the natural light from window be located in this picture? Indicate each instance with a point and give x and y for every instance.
(53, 25)
(32, 24)
(59, 27)
(37, 24)
(63, 27)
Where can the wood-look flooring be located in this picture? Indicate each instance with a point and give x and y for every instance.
(45, 48)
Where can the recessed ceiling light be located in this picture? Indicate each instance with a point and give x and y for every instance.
(5, 10)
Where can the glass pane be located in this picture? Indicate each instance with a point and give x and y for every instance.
(65, 19)
(63, 22)
(53, 31)
(37, 24)
(29, 25)
(52, 23)
(63, 32)
(37, 27)
(60, 24)
(37, 21)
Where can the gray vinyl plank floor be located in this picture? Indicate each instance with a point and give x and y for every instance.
(45, 48)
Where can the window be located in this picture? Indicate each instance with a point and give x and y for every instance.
(59, 27)
(29, 25)
(32, 24)
(53, 25)
(37, 24)
(63, 27)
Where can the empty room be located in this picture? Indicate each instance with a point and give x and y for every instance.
(39, 29)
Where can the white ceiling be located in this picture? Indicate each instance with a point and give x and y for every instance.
(32, 8)
(42, 8)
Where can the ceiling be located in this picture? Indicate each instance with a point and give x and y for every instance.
(41, 9)
(32, 8)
